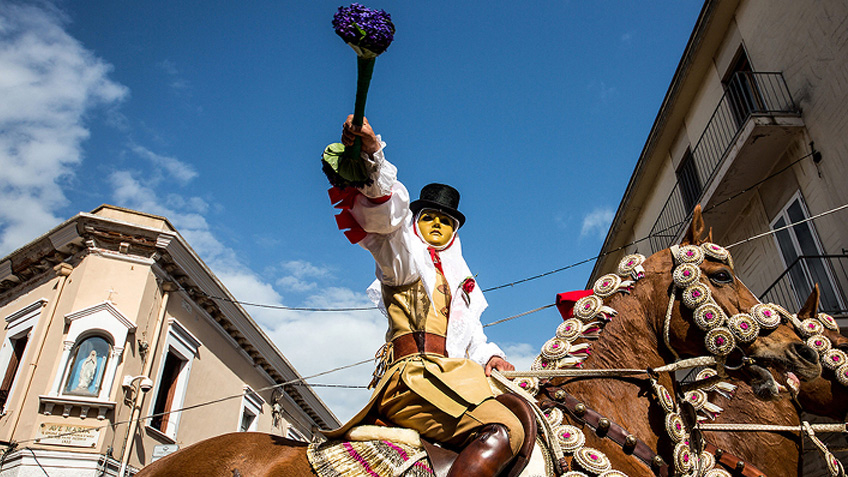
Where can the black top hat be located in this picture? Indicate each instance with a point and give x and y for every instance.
(441, 197)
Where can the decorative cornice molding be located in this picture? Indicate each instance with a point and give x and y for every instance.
(105, 306)
(64, 237)
(25, 313)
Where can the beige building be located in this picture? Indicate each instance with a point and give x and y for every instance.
(120, 345)
(754, 127)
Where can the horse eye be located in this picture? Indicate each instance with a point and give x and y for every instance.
(722, 277)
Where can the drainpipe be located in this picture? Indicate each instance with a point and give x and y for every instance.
(63, 270)
(167, 288)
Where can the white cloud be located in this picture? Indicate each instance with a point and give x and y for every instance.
(520, 355)
(597, 222)
(49, 83)
(172, 167)
(299, 274)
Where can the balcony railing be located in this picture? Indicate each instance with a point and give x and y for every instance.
(794, 285)
(746, 94)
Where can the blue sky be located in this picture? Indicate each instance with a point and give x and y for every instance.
(215, 114)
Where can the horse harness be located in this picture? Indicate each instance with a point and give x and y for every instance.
(556, 396)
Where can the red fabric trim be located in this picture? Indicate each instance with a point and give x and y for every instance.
(380, 200)
(565, 302)
(437, 260)
(344, 199)
(355, 235)
(345, 220)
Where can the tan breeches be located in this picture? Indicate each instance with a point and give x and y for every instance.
(407, 409)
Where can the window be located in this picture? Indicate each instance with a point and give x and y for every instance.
(164, 402)
(18, 329)
(802, 256)
(86, 366)
(251, 407)
(171, 385)
(742, 89)
(689, 181)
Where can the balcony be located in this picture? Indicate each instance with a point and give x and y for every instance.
(794, 285)
(755, 119)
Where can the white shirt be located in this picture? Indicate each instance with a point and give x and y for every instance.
(402, 258)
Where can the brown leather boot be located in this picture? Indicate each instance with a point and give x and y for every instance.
(486, 455)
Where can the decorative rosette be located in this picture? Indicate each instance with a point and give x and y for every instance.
(542, 364)
(696, 295)
(531, 385)
(554, 416)
(683, 459)
(842, 374)
(574, 473)
(744, 328)
(811, 327)
(674, 427)
(709, 316)
(607, 285)
(706, 461)
(715, 251)
(820, 343)
(717, 472)
(555, 348)
(570, 438)
(570, 329)
(697, 399)
(766, 315)
(782, 312)
(631, 265)
(664, 397)
(690, 254)
(592, 460)
(588, 307)
(720, 341)
(707, 373)
(834, 358)
(828, 321)
(686, 274)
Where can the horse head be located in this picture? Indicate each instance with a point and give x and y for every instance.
(828, 394)
(710, 311)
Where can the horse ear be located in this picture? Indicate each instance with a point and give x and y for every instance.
(710, 236)
(696, 230)
(811, 307)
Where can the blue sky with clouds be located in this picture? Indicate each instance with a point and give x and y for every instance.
(215, 114)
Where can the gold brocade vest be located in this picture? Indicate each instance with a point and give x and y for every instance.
(453, 385)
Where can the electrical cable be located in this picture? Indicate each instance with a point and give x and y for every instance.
(545, 274)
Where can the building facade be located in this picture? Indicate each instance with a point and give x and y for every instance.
(120, 346)
(752, 128)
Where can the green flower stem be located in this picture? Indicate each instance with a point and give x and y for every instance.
(365, 68)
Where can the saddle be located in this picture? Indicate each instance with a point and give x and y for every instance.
(442, 459)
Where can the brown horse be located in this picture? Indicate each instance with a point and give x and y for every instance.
(628, 402)
(634, 339)
(823, 396)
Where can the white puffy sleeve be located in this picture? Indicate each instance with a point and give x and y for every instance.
(382, 211)
(480, 349)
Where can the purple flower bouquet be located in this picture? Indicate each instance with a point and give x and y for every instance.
(369, 32)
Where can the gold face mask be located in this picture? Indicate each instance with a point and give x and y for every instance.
(435, 227)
